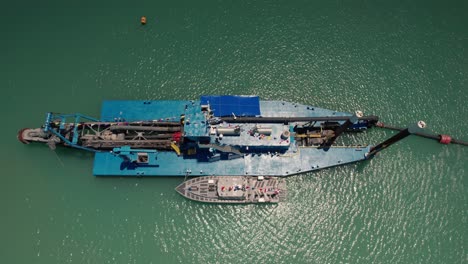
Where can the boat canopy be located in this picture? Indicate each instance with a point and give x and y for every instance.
(229, 105)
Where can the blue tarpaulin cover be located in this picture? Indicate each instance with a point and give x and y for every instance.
(226, 105)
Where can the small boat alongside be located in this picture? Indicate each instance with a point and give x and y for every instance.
(234, 189)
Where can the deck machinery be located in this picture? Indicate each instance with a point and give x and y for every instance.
(216, 135)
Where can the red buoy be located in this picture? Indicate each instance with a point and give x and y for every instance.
(143, 20)
(445, 139)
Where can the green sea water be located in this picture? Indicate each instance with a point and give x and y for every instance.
(401, 60)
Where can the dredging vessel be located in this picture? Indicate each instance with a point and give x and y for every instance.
(215, 135)
(234, 189)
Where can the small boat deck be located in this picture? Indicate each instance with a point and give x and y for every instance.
(234, 189)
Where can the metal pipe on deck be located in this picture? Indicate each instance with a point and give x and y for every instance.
(238, 119)
(106, 144)
(146, 128)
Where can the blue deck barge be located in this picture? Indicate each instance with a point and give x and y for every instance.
(225, 148)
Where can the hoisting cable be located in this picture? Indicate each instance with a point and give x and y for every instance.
(187, 173)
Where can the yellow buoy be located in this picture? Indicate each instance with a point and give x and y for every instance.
(143, 20)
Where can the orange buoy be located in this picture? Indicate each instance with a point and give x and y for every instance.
(143, 20)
